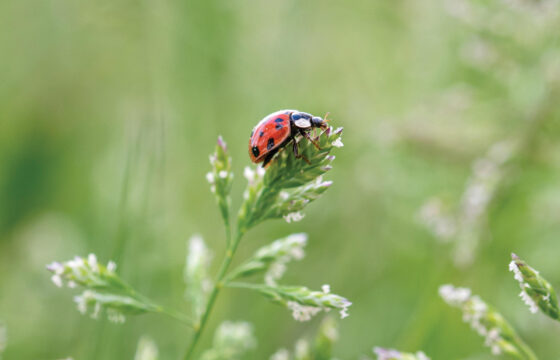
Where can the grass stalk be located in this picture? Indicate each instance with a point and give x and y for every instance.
(218, 284)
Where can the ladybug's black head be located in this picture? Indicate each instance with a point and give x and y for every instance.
(318, 122)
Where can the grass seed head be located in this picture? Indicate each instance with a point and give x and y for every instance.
(536, 292)
(289, 184)
(499, 336)
(220, 177)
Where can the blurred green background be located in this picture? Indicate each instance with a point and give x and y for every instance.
(109, 109)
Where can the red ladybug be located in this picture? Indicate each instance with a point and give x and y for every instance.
(276, 130)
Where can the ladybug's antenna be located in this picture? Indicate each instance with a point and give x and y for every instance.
(325, 117)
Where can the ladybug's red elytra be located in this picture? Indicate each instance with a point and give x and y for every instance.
(276, 131)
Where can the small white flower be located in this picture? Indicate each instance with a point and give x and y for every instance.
(344, 311)
(81, 302)
(198, 256)
(297, 242)
(57, 280)
(326, 288)
(433, 215)
(72, 284)
(147, 349)
(96, 311)
(337, 143)
(249, 174)
(533, 308)
(92, 261)
(56, 267)
(283, 251)
(386, 354)
(275, 272)
(281, 354)
(111, 266)
(454, 296)
(76, 264)
(295, 216)
(115, 316)
(516, 272)
(492, 339)
(301, 349)
(196, 271)
(210, 178)
(302, 312)
(223, 174)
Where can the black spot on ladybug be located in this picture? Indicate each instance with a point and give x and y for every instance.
(279, 126)
(279, 120)
(261, 134)
(270, 144)
(255, 151)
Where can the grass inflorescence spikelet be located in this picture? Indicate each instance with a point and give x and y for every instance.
(318, 348)
(116, 306)
(197, 277)
(326, 337)
(146, 349)
(289, 183)
(271, 259)
(231, 341)
(303, 303)
(536, 292)
(87, 272)
(103, 290)
(499, 335)
(392, 354)
(221, 178)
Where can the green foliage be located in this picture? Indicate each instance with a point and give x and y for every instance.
(108, 110)
(265, 199)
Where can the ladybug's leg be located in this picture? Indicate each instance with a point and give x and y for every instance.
(298, 155)
(313, 141)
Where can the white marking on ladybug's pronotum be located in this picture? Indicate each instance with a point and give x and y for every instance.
(303, 123)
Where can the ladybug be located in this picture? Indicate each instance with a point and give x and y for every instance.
(277, 130)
